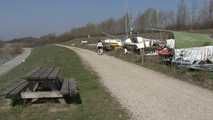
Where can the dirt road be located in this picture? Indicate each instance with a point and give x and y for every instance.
(14, 62)
(149, 95)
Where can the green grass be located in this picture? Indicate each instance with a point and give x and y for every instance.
(97, 104)
(203, 31)
(197, 39)
(187, 40)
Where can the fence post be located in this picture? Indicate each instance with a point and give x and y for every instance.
(142, 56)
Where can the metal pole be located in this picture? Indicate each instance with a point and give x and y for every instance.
(126, 16)
(142, 55)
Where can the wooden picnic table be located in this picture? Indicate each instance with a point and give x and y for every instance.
(43, 83)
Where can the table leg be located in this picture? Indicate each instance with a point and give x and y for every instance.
(62, 100)
(35, 87)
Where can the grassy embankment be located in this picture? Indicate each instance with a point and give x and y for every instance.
(196, 39)
(187, 40)
(97, 104)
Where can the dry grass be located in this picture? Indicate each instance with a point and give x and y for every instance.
(11, 49)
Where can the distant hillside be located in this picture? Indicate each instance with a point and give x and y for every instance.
(25, 40)
(34, 42)
(2, 43)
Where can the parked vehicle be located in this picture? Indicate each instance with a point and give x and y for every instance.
(110, 44)
(134, 43)
(138, 43)
(84, 42)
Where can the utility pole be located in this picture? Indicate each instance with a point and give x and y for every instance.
(126, 17)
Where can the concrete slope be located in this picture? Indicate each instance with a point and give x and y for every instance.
(14, 62)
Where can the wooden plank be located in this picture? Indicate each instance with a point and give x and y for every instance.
(28, 75)
(35, 87)
(53, 86)
(54, 74)
(18, 88)
(58, 83)
(38, 95)
(69, 88)
(62, 100)
(65, 87)
(37, 75)
(46, 73)
(14, 86)
(34, 100)
(73, 90)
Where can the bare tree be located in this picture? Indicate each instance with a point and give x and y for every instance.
(149, 19)
(182, 15)
(211, 12)
(167, 19)
(199, 16)
(194, 15)
(204, 14)
(107, 26)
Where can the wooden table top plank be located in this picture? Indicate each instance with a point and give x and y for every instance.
(37, 75)
(45, 74)
(54, 74)
(34, 71)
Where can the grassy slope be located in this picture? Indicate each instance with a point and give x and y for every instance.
(97, 104)
(203, 31)
(186, 40)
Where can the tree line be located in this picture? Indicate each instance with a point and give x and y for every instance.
(186, 17)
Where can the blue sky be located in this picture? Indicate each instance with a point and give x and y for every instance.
(20, 18)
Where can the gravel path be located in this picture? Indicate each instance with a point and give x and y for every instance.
(14, 62)
(149, 95)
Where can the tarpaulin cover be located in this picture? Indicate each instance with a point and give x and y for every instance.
(170, 43)
(194, 54)
(166, 52)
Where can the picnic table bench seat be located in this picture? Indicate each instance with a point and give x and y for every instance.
(17, 88)
(69, 88)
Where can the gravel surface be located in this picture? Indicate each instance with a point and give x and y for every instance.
(150, 95)
(4, 68)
